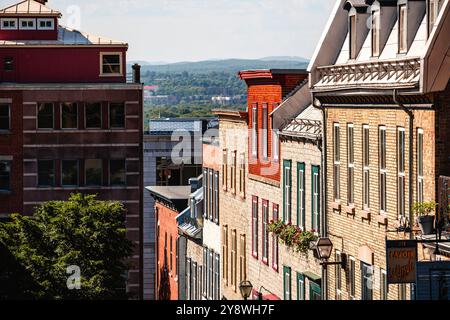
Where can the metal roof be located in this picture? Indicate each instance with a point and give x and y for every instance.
(171, 192)
(308, 125)
(168, 126)
(29, 8)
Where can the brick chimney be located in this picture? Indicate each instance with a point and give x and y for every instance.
(136, 73)
(41, 1)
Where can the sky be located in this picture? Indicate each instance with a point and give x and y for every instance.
(194, 30)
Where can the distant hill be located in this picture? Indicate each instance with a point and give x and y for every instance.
(227, 66)
(285, 58)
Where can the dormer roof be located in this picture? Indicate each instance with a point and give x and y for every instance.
(359, 5)
(29, 8)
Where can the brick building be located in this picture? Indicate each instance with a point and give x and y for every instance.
(380, 75)
(234, 220)
(69, 121)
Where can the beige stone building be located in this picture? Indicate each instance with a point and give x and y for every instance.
(380, 75)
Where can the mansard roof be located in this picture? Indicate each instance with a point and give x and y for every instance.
(30, 8)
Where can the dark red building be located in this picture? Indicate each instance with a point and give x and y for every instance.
(69, 121)
(267, 89)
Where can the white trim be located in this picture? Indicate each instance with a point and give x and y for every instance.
(9, 20)
(27, 20)
(52, 27)
(120, 54)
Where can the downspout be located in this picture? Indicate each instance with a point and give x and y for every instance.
(324, 224)
(411, 156)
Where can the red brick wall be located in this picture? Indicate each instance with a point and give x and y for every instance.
(166, 224)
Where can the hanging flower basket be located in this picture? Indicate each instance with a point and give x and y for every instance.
(293, 236)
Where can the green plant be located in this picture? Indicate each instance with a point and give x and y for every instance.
(292, 236)
(424, 208)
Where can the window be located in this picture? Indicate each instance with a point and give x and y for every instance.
(351, 165)
(338, 270)
(265, 232)
(194, 282)
(366, 281)
(9, 24)
(366, 168)
(352, 32)
(300, 287)
(402, 29)
(4, 117)
(117, 173)
(111, 64)
(205, 273)
(242, 175)
(5, 176)
(255, 227)
(434, 7)
(352, 282)
(171, 253)
(275, 145)
(45, 24)
(287, 191)
(401, 172)
(265, 129)
(69, 116)
(27, 24)
(301, 196)
(242, 259)
(45, 116)
(205, 194)
(287, 283)
(376, 33)
(383, 285)
(8, 64)
(315, 198)
(225, 169)
(216, 197)
(233, 172)
(46, 173)
(275, 240)
(93, 115)
(117, 115)
(69, 173)
(383, 172)
(188, 279)
(234, 260)
(93, 170)
(420, 180)
(200, 283)
(225, 254)
(210, 274)
(255, 130)
(216, 277)
(211, 195)
(337, 162)
(402, 292)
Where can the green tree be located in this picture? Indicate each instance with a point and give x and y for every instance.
(81, 232)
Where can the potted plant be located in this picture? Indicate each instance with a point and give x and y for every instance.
(425, 216)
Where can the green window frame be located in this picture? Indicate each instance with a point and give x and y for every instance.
(315, 198)
(287, 283)
(287, 191)
(301, 195)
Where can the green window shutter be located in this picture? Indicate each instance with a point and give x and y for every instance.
(301, 208)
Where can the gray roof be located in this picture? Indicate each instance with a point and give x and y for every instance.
(307, 125)
(168, 126)
(171, 192)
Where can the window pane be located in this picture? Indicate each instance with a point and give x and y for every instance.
(4, 117)
(111, 64)
(255, 131)
(46, 173)
(69, 174)
(265, 121)
(45, 116)
(5, 175)
(93, 172)
(117, 115)
(93, 115)
(117, 173)
(69, 116)
(8, 64)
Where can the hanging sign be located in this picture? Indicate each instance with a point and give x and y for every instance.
(401, 261)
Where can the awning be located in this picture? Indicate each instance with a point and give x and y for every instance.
(270, 297)
(312, 276)
(191, 230)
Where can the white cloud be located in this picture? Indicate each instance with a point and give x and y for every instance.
(175, 30)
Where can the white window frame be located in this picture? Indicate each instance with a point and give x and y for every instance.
(383, 170)
(316, 197)
(337, 162)
(384, 284)
(420, 167)
(352, 275)
(276, 145)
(255, 131)
(3, 20)
(265, 232)
(338, 275)
(27, 20)
(401, 176)
(376, 29)
(288, 193)
(301, 198)
(45, 20)
(350, 164)
(265, 130)
(366, 167)
(403, 33)
(120, 54)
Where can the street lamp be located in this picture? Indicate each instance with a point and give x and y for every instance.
(246, 288)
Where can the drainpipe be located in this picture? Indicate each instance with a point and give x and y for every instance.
(411, 155)
(324, 224)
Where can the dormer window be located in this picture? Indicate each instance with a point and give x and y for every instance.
(27, 24)
(45, 24)
(111, 64)
(434, 6)
(9, 24)
(402, 29)
(376, 33)
(352, 33)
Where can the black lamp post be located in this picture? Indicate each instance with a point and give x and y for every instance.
(246, 288)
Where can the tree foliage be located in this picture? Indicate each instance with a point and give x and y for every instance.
(82, 232)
